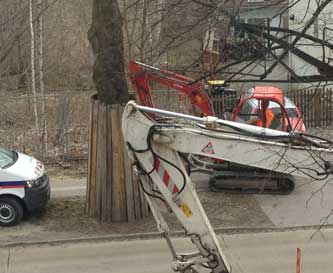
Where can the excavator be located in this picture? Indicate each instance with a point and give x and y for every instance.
(155, 147)
(143, 75)
(223, 172)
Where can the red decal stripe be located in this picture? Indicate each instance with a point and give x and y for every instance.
(175, 189)
(166, 178)
(157, 164)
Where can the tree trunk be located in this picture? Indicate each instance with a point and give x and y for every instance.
(41, 76)
(106, 38)
(33, 79)
(113, 192)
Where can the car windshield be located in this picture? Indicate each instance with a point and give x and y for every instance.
(7, 158)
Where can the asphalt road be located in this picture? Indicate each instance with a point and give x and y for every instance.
(257, 253)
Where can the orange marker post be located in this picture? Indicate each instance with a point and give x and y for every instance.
(298, 261)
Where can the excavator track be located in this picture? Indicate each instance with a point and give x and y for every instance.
(253, 182)
(237, 178)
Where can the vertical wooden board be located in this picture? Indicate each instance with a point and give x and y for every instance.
(305, 107)
(91, 105)
(92, 199)
(99, 166)
(145, 206)
(331, 106)
(142, 203)
(312, 105)
(102, 146)
(136, 194)
(118, 185)
(120, 110)
(324, 112)
(319, 104)
(109, 164)
(301, 95)
(327, 98)
(315, 104)
(317, 107)
(308, 107)
(129, 186)
(323, 108)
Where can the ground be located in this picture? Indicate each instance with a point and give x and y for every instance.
(66, 218)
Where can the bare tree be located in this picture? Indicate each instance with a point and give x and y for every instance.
(32, 63)
(41, 75)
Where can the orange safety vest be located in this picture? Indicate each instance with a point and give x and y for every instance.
(269, 118)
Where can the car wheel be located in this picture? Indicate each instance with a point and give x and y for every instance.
(11, 211)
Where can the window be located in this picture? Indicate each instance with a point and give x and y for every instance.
(247, 110)
(212, 41)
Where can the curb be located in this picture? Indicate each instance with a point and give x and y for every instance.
(155, 235)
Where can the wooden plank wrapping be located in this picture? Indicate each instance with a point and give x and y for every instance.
(92, 182)
(91, 105)
(129, 186)
(136, 194)
(101, 160)
(331, 106)
(113, 192)
(118, 187)
(143, 204)
(109, 164)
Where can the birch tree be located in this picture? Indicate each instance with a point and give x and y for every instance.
(41, 75)
(32, 64)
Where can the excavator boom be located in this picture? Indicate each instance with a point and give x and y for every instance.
(155, 149)
(142, 74)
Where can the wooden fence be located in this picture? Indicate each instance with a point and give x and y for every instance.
(224, 103)
(316, 106)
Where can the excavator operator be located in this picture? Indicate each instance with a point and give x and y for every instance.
(265, 116)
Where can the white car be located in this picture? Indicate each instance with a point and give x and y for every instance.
(24, 186)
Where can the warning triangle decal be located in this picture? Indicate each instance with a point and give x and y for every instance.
(208, 149)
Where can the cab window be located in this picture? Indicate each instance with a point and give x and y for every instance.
(247, 110)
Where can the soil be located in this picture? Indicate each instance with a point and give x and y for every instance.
(66, 218)
(67, 170)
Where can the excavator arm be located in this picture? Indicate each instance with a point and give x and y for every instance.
(142, 74)
(155, 150)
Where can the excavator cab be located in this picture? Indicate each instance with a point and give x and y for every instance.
(285, 115)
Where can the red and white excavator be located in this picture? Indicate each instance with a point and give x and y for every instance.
(287, 118)
(156, 148)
